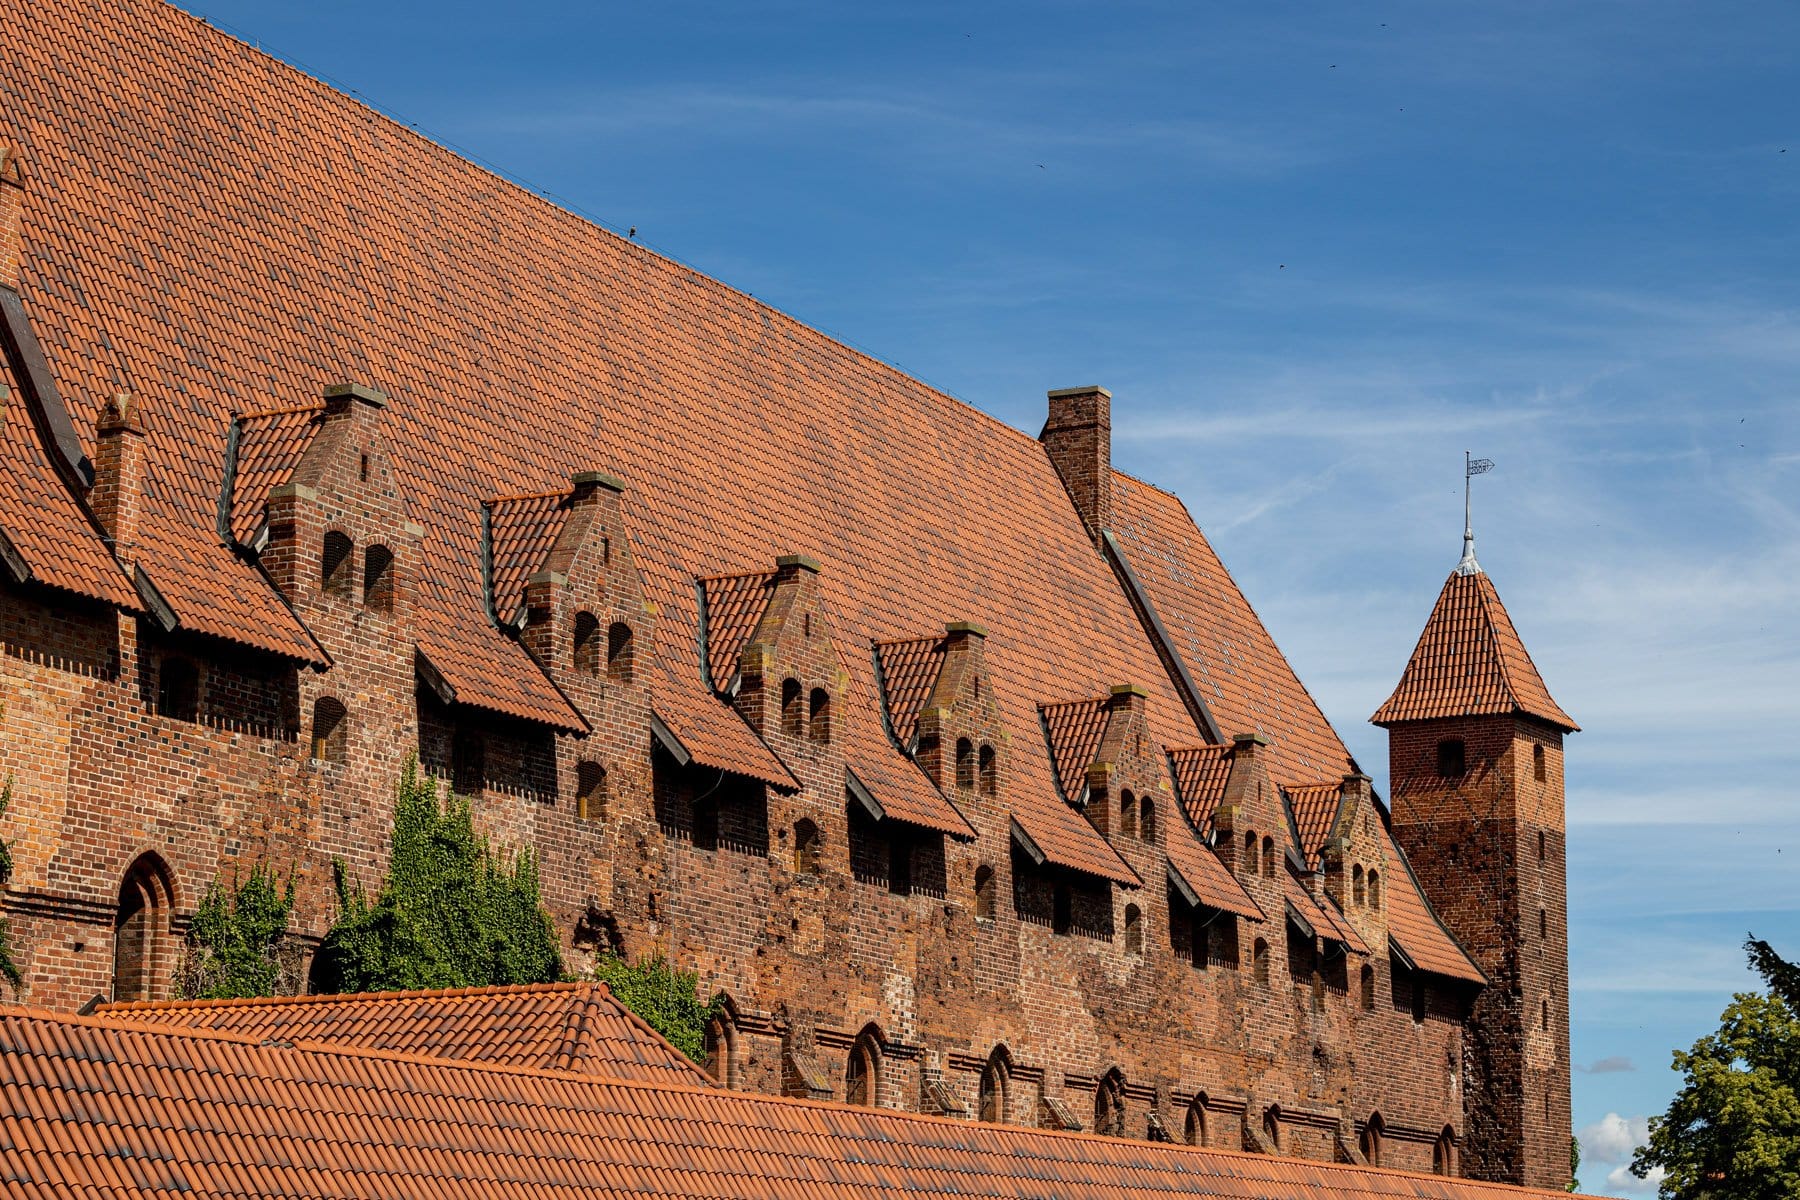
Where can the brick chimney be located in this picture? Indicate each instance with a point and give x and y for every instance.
(117, 497)
(1078, 438)
(12, 216)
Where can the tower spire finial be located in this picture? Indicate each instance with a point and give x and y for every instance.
(1471, 468)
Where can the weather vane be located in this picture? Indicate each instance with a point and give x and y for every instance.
(1471, 468)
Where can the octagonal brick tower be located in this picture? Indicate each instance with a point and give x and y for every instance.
(1475, 745)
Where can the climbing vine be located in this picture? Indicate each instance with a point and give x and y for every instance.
(450, 912)
(667, 999)
(235, 943)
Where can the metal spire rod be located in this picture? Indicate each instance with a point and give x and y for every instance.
(1471, 468)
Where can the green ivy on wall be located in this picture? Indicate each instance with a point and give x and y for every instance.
(450, 912)
(667, 999)
(9, 970)
(235, 941)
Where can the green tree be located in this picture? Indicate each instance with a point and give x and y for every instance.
(1733, 1130)
(234, 942)
(1574, 1163)
(450, 912)
(667, 999)
(9, 970)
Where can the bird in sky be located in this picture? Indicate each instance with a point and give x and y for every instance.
(632, 232)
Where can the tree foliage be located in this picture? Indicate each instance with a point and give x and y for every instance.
(450, 913)
(1733, 1130)
(1574, 1164)
(9, 970)
(235, 943)
(667, 999)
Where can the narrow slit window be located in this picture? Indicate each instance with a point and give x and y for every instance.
(330, 730)
(620, 664)
(378, 578)
(337, 563)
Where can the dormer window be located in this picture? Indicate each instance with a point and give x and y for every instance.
(336, 563)
(965, 764)
(793, 710)
(818, 716)
(1452, 757)
(378, 578)
(619, 652)
(987, 771)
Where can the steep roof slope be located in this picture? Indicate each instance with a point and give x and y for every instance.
(130, 1111)
(224, 233)
(1469, 662)
(1243, 678)
(575, 1027)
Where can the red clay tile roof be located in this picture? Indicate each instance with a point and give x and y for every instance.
(1243, 678)
(105, 1108)
(521, 532)
(1416, 928)
(45, 525)
(187, 212)
(1470, 662)
(734, 605)
(269, 447)
(908, 671)
(575, 1027)
(1206, 876)
(1322, 915)
(898, 784)
(708, 728)
(1200, 774)
(1315, 807)
(1073, 731)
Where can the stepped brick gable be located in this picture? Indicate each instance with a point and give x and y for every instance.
(951, 759)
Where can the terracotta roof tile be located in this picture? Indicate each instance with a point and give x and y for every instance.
(707, 727)
(522, 530)
(44, 523)
(1073, 730)
(902, 788)
(1242, 676)
(1206, 876)
(1322, 914)
(1315, 807)
(1470, 662)
(908, 671)
(144, 1111)
(575, 1027)
(269, 447)
(1200, 775)
(734, 605)
(1416, 928)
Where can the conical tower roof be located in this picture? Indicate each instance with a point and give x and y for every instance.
(1470, 661)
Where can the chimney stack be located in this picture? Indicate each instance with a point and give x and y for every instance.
(12, 216)
(117, 496)
(1078, 438)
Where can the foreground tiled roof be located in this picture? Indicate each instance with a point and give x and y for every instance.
(1241, 675)
(575, 1027)
(1470, 662)
(199, 212)
(104, 1108)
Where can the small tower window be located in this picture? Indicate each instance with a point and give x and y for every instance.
(987, 771)
(619, 652)
(965, 764)
(1147, 819)
(1357, 891)
(1537, 762)
(586, 647)
(1250, 852)
(590, 791)
(721, 1049)
(806, 847)
(336, 565)
(793, 712)
(1268, 858)
(378, 578)
(1543, 846)
(1451, 758)
(1544, 1015)
(178, 689)
(1134, 930)
(1109, 1106)
(1259, 962)
(1368, 989)
(1374, 889)
(984, 893)
(818, 716)
(1128, 815)
(1196, 1121)
(862, 1075)
(329, 730)
(1443, 1154)
(1543, 924)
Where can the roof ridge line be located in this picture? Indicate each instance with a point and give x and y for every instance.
(475, 1067)
(498, 989)
(1482, 595)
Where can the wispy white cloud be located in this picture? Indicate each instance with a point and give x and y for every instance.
(1607, 1147)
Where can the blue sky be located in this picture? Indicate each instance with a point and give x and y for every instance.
(1315, 251)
